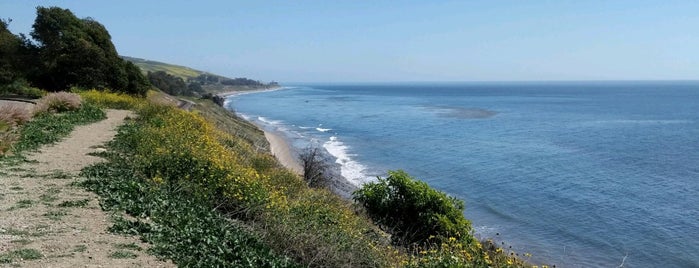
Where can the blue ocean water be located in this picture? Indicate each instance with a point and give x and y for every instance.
(580, 174)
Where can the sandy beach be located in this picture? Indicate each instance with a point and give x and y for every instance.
(283, 152)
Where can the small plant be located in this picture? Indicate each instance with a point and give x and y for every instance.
(76, 203)
(55, 215)
(122, 254)
(58, 102)
(20, 254)
(129, 246)
(80, 248)
(25, 203)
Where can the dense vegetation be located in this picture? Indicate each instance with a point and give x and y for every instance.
(171, 84)
(65, 52)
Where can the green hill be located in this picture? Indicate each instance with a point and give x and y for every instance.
(183, 72)
(205, 82)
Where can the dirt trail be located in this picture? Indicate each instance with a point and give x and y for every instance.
(46, 221)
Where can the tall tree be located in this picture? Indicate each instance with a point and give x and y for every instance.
(79, 52)
(10, 46)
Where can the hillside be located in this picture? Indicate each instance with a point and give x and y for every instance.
(210, 83)
(183, 72)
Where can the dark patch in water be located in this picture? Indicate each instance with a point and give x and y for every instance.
(462, 113)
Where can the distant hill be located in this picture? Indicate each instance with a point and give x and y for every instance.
(207, 82)
(183, 72)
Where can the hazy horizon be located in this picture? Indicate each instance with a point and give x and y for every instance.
(406, 41)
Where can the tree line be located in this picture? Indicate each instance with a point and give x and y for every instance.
(66, 51)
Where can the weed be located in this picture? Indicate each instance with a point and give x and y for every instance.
(21, 241)
(48, 197)
(59, 174)
(20, 254)
(80, 248)
(75, 203)
(130, 246)
(24, 203)
(122, 254)
(55, 215)
(16, 188)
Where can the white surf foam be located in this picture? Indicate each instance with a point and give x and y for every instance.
(350, 169)
(323, 129)
(268, 121)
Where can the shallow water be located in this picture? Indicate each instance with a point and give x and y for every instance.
(578, 174)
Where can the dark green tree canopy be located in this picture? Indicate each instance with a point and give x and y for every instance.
(79, 52)
(10, 48)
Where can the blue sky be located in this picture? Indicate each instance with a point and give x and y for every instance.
(389, 41)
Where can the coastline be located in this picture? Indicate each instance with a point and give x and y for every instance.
(287, 155)
(227, 94)
(283, 152)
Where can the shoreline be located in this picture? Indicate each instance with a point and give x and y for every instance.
(284, 153)
(287, 154)
(227, 94)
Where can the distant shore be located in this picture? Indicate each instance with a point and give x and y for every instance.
(242, 92)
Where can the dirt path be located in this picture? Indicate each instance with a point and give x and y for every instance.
(46, 221)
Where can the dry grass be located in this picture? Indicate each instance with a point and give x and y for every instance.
(13, 114)
(58, 102)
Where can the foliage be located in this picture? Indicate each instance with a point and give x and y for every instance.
(49, 128)
(178, 167)
(169, 84)
(111, 100)
(182, 228)
(11, 55)
(20, 254)
(68, 51)
(58, 102)
(413, 211)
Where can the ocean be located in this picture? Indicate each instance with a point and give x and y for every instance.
(579, 174)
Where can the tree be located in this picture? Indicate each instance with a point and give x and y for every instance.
(10, 46)
(168, 83)
(315, 167)
(79, 52)
(412, 211)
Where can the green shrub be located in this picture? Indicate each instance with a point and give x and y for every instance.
(412, 211)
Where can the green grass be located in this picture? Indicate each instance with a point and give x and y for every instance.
(80, 248)
(228, 122)
(55, 215)
(129, 246)
(74, 203)
(24, 203)
(123, 254)
(20, 254)
(21, 241)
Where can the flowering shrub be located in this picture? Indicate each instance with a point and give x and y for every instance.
(58, 102)
(112, 100)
